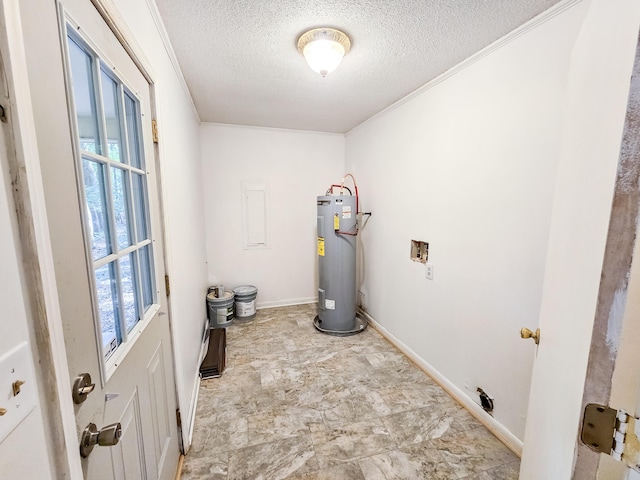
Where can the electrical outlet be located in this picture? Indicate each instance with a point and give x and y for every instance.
(429, 271)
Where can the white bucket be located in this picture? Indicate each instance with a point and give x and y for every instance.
(245, 298)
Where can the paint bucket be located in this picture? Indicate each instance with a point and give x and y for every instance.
(220, 309)
(245, 297)
(217, 290)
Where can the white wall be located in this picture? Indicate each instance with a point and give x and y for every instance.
(296, 166)
(20, 456)
(601, 67)
(182, 195)
(468, 165)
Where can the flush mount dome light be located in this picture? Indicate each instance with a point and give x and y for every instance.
(324, 48)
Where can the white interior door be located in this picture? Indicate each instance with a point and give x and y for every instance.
(105, 225)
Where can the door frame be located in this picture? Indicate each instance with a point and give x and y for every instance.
(617, 291)
(35, 242)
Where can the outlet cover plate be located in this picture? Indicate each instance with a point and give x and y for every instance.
(428, 271)
(16, 365)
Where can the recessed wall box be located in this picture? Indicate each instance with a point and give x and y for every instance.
(419, 251)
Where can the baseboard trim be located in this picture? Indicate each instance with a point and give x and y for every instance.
(194, 408)
(505, 436)
(179, 468)
(286, 303)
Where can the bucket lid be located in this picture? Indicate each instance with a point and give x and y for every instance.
(245, 290)
(211, 297)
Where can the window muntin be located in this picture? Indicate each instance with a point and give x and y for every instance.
(114, 187)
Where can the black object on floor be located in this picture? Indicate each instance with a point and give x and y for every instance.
(214, 361)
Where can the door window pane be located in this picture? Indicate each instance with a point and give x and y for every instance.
(120, 207)
(115, 194)
(131, 112)
(106, 287)
(145, 273)
(84, 98)
(112, 116)
(127, 278)
(96, 203)
(139, 197)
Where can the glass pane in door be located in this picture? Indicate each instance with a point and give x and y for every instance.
(133, 131)
(127, 277)
(111, 103)
(82, 77)
(107, 290)
(139, 204)
(146, 274)
(96, 207)
(120, 206)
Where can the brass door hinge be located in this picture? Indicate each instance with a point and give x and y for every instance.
(612, 432)
(167, 285)
(154, 130)
(178, 418)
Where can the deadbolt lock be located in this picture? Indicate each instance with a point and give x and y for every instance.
(82, 387)
(107, 437)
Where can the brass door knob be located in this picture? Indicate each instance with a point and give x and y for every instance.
(526, 333)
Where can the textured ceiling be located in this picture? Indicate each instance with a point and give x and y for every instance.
(240, 61)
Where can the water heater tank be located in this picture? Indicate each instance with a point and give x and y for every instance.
(337, 266)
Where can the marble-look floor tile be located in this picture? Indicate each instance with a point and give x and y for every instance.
(273, 461)
(385, 359)
(288, 376)
(224, 407)
(462, 419)
(478, 476)
(344, 364)
(340, 413)
(212, 438)
(411, 396)
(417, 426)
(350, 442)
(281, 422)
(473, 451)
(321, 392)
(509, 471)
(344, 471)
(369, 405)
(416, 462)
(233, 380)
(269, 361)
(267, 398)
(214, 467)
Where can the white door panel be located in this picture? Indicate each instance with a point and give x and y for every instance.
(134, 374)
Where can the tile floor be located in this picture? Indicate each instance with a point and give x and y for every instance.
(297, 404)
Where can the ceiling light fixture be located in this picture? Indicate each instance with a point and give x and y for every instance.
(324, 48)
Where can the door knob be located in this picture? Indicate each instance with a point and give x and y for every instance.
(107, 437)
(526, 333)
(82, 387)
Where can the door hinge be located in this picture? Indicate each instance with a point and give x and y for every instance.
(154, 130)
(167, 285)
(178, 418)
(612, 432)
